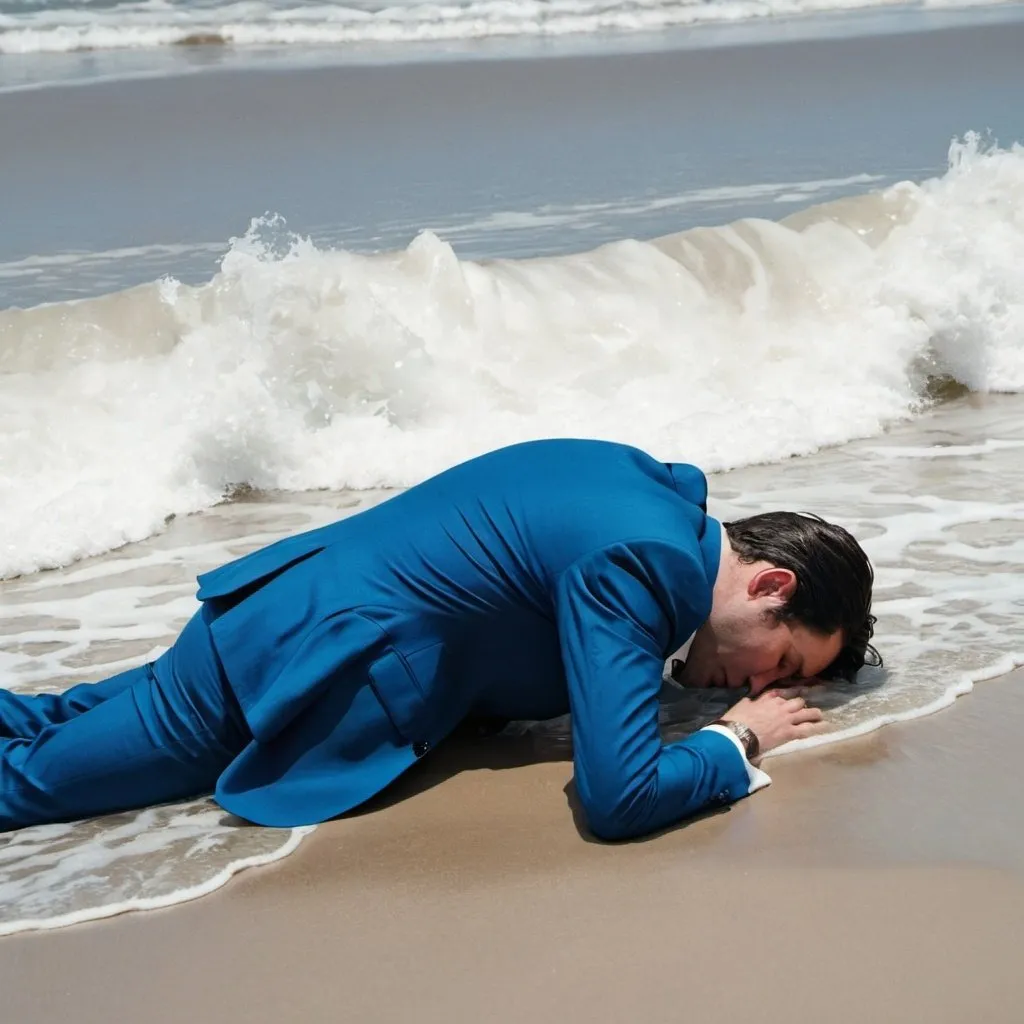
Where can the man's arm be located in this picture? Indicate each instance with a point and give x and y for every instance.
(618, 612)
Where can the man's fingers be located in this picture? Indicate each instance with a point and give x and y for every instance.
(806, 714)
(803, 690)
(786, 692)
(805, 729)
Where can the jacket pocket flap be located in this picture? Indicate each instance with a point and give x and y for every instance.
(257, 568)
(398, 690)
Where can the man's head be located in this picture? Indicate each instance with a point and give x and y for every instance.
(792, 601)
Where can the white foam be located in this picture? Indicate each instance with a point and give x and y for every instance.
(149, 24)
(960, 688)
(543, 230)
(44, 875)
(299, 368)
(578, 215)
(31, 266)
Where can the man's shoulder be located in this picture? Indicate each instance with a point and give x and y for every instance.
(575, 456)
(575, 446)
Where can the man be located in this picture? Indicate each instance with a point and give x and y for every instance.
(541, 578)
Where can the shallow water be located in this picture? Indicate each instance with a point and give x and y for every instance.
(939, 504)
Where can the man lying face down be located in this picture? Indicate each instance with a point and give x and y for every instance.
(541, 578)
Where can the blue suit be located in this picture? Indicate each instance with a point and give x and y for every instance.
(541, 578)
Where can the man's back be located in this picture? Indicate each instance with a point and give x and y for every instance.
(496, 588)
(471, 557)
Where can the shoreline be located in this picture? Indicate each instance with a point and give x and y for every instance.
(472, 891)
(946, 600)
(205, 50)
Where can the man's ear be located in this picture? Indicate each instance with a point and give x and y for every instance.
(773, 582)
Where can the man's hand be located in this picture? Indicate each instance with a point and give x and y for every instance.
(776, 717)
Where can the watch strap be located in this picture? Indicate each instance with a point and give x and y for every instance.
(746, 736)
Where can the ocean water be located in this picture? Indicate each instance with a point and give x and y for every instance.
(856, 349)
(55, 26)
(298, 368)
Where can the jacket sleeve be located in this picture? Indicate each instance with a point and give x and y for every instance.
(618, 612)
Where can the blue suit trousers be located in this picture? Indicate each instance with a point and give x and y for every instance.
(163, 731)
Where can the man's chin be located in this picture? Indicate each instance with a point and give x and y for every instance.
(697, 679)
(695, 682)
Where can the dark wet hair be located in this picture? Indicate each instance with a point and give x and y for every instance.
(833, 579)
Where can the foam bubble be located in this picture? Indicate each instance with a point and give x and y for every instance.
(52, 876)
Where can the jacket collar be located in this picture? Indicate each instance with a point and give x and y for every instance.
(690, 483)
(692, 486)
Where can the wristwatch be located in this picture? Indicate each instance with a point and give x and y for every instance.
(745, 735)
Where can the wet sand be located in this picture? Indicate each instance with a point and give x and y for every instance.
(883, 877)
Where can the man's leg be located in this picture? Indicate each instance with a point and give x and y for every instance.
(25, 715)
(166, 735)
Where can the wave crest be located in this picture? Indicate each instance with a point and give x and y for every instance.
(298, 368)
(138, 24)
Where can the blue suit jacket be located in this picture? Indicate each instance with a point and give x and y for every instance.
(541, 578)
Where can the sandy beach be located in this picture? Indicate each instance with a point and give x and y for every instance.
(880, 879)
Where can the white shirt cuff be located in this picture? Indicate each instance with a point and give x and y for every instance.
(755, 777)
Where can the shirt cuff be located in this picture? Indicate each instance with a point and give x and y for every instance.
(756, 778)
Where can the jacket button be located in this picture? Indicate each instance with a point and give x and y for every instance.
(420, 748)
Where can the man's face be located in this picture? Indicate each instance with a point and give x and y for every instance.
(744, 644)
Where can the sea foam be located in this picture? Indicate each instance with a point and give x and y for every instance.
(297, 368)
(141, 24)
